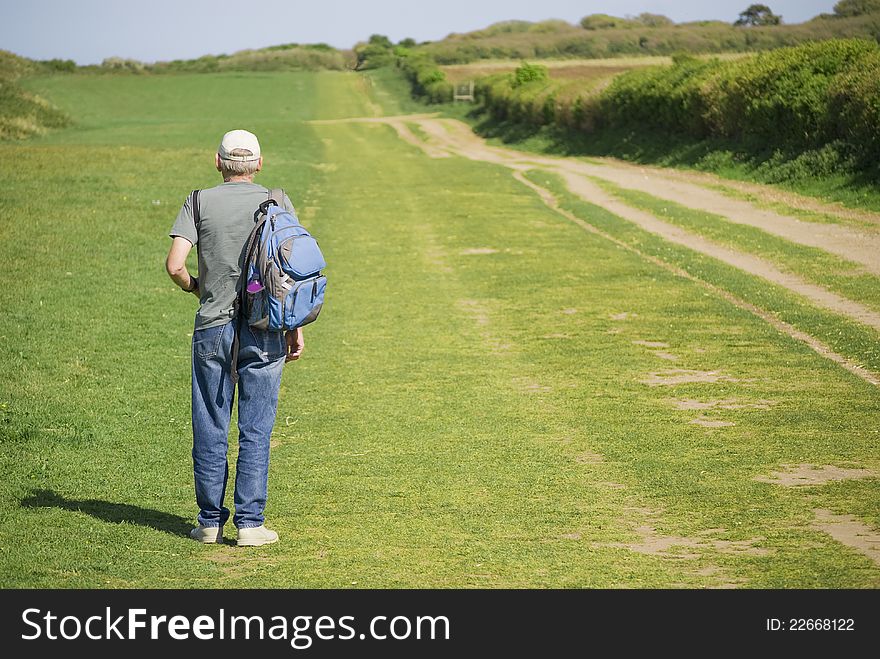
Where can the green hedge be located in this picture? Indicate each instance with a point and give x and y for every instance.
(426, 79)
(800, 97)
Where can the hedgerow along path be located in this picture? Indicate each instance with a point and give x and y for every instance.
(492, 397)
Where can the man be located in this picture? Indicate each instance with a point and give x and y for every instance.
(226, 217)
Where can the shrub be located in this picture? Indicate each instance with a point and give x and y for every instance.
(781, 95)
(653, 20)
(526, 73)
(372, 55)
(122, 64)
(854, 105)
(59, 65)
(661, 97)
(603, 22)
(847, 8)
(426, 79)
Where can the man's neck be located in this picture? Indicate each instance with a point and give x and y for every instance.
(239, 179)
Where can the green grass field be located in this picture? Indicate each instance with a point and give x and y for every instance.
(472, 409)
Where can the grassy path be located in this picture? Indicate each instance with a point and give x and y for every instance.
(492, 397)
(831, 283)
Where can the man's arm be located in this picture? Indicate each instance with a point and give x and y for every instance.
(175, 264)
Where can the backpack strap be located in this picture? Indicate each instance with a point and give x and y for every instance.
(197, 215)
(241, 301)
(277, 195)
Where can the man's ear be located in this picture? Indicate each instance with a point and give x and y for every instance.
(217, 161)
(260, 163)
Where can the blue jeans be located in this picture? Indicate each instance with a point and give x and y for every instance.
(260, 363)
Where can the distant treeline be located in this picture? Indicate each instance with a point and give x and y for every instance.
(286, 57)
(601, 35)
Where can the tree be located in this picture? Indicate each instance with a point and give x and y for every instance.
(373, 54)
(847, 8)
(602, 22)
(379, 40)
(654, 20)
(758, 15)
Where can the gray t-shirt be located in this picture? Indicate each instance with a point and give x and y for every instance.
(227, 217)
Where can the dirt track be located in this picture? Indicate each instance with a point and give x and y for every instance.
(451, 137)
(857, 246)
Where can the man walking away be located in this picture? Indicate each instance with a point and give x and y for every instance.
(223, 219)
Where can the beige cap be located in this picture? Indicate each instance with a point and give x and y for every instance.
(239, 145)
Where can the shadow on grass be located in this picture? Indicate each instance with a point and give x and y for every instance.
(110, 512)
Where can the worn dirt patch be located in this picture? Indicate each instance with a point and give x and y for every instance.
(569, 312)
(234, 563)
(476, 251)
(665, 355)
(680, 547)
(651, 344)
(722, 404)
(529, 386)
(434, 253)
(571, 536)
(654, 544)
(476, 310)
(623, 315)
(724, 582)
(803, 475)
(588, 458)
(557, 335)
(711, 423)
(850, 531)
(739, 547)
(684, 376)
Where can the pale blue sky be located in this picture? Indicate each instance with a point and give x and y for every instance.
(149, 30)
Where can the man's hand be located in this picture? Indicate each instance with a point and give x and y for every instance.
(295, 344)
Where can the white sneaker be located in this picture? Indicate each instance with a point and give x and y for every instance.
(207, 534)
(256, 536)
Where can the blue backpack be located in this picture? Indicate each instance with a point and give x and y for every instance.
(282, 287)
